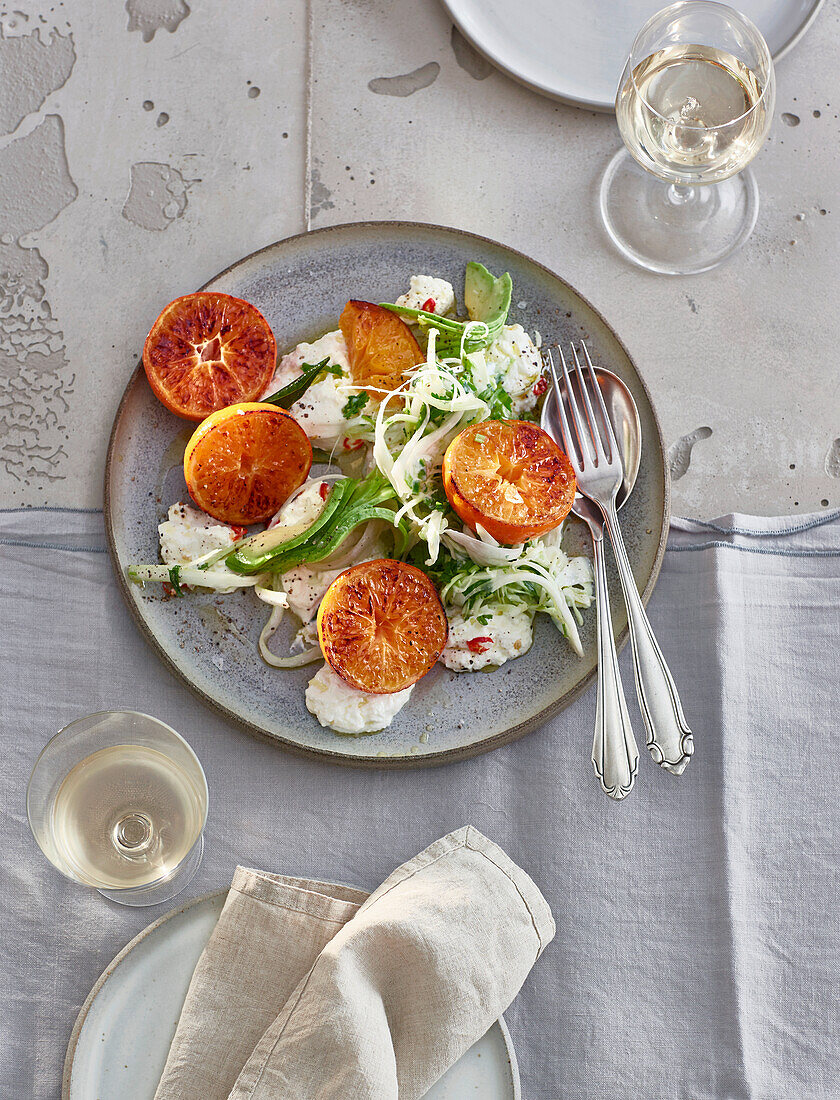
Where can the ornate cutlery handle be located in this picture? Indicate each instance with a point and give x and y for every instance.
(668, 736)
(614, 751)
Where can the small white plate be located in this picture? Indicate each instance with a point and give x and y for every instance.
(575, 50)
(122, 1034)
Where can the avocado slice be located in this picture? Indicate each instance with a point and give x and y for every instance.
(486, 297)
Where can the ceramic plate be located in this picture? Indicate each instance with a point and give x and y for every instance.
(122, 1034)
(210, 641)
(575, 50)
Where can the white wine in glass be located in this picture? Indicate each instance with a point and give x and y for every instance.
(692, 114)
(694, 106)
(118, 801)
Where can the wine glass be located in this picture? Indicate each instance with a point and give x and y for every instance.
(694, 106)
(118, 801)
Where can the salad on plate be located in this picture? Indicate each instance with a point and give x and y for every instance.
(386, 487)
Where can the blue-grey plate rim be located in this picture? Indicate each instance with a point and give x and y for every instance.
(75, 1034)
(428, 759)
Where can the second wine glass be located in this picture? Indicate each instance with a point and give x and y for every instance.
(694, 106)
(118, 800)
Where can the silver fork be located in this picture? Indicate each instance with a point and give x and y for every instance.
(614, 752)
(593, 451)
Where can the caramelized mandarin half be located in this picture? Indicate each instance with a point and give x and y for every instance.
(510, 477)
(380, 346)
(206, 351)
(244, 461)
(382, 626)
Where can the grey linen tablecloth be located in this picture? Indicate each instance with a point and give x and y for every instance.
(698, 927)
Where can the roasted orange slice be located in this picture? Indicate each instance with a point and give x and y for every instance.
(509, 476)
(382, 626)
(380, 346)
(243, 462)
(206, 351)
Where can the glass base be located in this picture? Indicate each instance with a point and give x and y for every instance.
(673, 229)
(166, 889)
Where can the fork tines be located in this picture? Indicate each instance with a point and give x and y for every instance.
(592, 440)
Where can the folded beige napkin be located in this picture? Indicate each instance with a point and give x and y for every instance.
(312, 990)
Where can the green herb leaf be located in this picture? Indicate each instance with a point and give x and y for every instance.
(354, 405)
(175, 579)
(310, 374)
(498, 400)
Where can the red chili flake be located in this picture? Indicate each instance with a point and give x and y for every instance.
(237, 532)
(429, 305)
(479, 645)
(540, 387)
(353, 444)
(169, 590)
(324, 490)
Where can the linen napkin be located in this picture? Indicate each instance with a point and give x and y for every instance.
(307, 989)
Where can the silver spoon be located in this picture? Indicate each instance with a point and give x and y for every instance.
(614, 751)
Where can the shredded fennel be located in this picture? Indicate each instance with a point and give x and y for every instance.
(409, 442)
(193, 576)
(479, 576)
(278, 600)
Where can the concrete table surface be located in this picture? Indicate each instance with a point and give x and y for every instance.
(146, 146)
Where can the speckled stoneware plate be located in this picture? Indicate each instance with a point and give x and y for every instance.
(210, 641)
(575, 52)
(122, 1034)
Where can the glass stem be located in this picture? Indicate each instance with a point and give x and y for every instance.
(679, 194)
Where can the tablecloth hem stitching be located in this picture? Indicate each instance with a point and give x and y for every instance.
(826, 517)
(780, 553)
(53, 508)
(52, 546)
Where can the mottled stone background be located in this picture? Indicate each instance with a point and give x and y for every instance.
(144, 146)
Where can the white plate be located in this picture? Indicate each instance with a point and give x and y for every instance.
(575, 50)
(123, 1032)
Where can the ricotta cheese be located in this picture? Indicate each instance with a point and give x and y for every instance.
(319, 411)
(346, 710)
(514, 358)
(189, 533)
(424, 287)
(304, 506)
(500, 636)
(305, 588)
